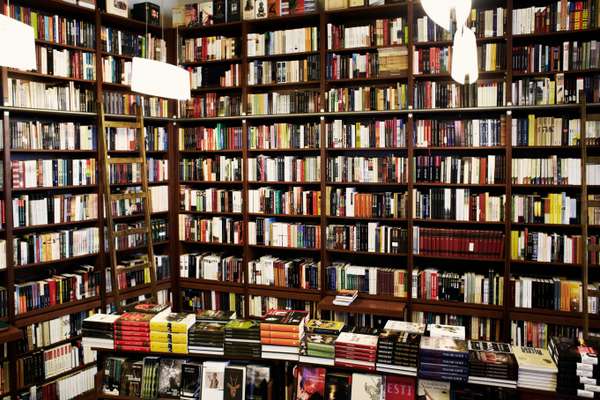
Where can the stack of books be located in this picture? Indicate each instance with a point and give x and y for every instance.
(447, 331)
(207, 336)
(356, 350)
(169, 332)
(281, 332)
(98, 331)
(132, 332)
(492, 363)
(536, 368)
(318, 346)
(443, 359)
(577, 367)
(345, 297)
(398, 347)
(242, 338)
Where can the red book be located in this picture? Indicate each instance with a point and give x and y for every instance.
(399, 388)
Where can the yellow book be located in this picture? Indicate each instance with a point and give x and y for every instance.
(531, 130)
(166, 337)
(514, 245)
(169, 348)
(167, 321)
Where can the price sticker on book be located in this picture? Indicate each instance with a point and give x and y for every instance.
(471, 247)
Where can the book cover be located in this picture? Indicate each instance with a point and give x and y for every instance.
(433, 390)
(452, 331)
(191, 379)
(357, 340)
(169, 377)
(235, 383)
(310, 383)
(399, 388)
(213, 380)
(118, 7)
(324, 326)
(257, 382)
(404, 326)
(215, 316)
(534, 359)
(337, 386)
(367, 387)
(442, 344)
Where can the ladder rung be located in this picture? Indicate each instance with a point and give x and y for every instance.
(593, 203)
(592, 117)
(130, 196)
(128, 232)
(125, 160)
(593, 247)
(133, 266)
(122, 124)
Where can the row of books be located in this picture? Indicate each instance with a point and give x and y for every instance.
(468, 287)
(545, 131)
(485, 23)
(299, 40)
(476, 328)
(545, 247)
(215, 230)
(293, 201)
(380, 281)
(45, 334)
(126, 139)
(460, 133)
(210, 200)
(31, 210)
(464, 170)
(380, 33)
(219, 137)
(65, 387)
(205, 13)
(116, 70)
(125, 43)
(80, 284)
(284, 169)
(366, 134)
(356, 65)
(491, 57)
(433, 94)
(66, 63)
(558, 90)
(52, 135)
(284, 136)
(457, 205)
(213, 266)
(125, 104)
(293, 71)
(553, 293)
(388, 169)
(568, 56)
(217, 169)
(158, 228)
(546, 171)
(367, 98)
(559, 16)
(54, 246)
(53, 172)
(369, 237)
(213, 76)
(209, 48)
(308, 101)
(51, 96)
(349, 202)
(211, 105)
(552, 208)
(458, 243)
(55, 28)
(269, 232)
(44, 364)
(298, 273)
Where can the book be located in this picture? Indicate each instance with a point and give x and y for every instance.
(235, 383)
(338, 386)
(257, 382)
(169, 377)
(213, 380)
(191, 380)
(310, 382)
(367, 387)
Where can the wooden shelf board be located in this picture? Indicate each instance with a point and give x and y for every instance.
(11, 334)
(48, 313)
(367, 306)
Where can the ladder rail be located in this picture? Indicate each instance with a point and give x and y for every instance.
(109, 197)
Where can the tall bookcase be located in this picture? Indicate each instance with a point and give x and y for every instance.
(243, 122)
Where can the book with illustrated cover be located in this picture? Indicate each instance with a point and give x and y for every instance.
(451, 331)
(399, 388)
(324, 326)
(149, 308)
(367, 387)
(113, 368)
(215, 316)
(213, 380)
(257, 382)
(433, 390)
(134, 319)
(191, 380)
(172, 322)
(534, 359)
(337, 386)
(235, 383)
(131, 379)
(404, 326)
(443, 346)
(169, 377)
(149, 377)
(356, 340)
(490, 346)
(310, 383)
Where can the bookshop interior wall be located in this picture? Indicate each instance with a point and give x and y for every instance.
(361, 199)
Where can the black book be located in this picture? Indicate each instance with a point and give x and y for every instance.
(235, 383)
(337, 386)
(169, 377)
(219, 11)
(257, 382)
(191, 380)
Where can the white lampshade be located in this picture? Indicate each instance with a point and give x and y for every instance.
(464, 56)
(17, 44)
(440, 11)
(160, 79)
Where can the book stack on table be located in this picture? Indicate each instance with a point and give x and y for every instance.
(492, 363)
(132, 332)
(169, 332)
(577, 367)
(356, 350)
(98, 331)
(536, 368)
(318, 346)
(281, 332)
(242, 338)
(398, 347)
(207, 335)
(444, 359)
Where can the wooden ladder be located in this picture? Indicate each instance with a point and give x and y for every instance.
(138, 157)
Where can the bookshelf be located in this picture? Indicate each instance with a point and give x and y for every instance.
(239, 122)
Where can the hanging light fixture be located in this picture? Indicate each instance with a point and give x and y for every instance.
(443, 12)
(17, 44)
(464, 56)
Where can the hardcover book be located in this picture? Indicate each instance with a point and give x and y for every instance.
(169, 377)
(257, 382)
(235, 383)
(213, 380)
(534, 359)
(191, 380)
(367, 387)
(310, 383)
(337, 386)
